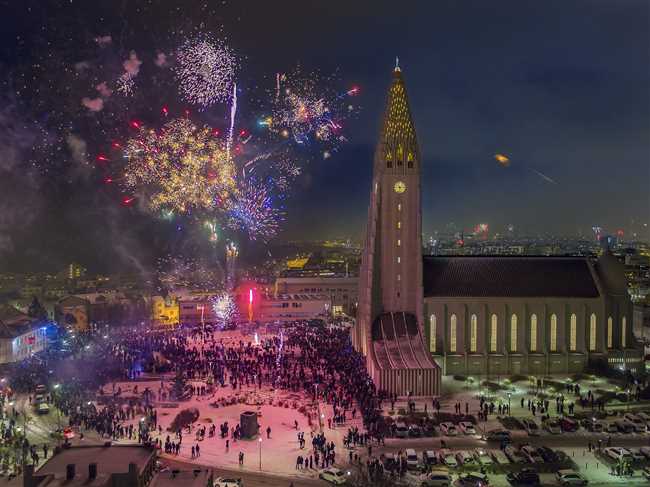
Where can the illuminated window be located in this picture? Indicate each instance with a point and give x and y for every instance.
(473, 333)
(610, 332)
(399, 278)
(533, 333)
(553, 333)
(399, 243)
(399, 206)
(452, 334)
(513, 333)
(573, 333)
(399, 259)
(592, 332)
(623, 332)
(399, 224)
(494, 323)
(432, 333)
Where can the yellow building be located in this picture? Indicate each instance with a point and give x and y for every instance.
(164, 311)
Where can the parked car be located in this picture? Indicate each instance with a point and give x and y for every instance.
(525, 477)
(499, 457)
(553, 426)
(618, 453)
(611, 427)
(39, 398)
(411, 459)
(592, 425)
(499, 435)
(473, 479)
(429, 457)
(482, 457)
(548, 455)
(467, 428)
(437, 478)
(637, 455)
(570, 477)
(448, 458)
(624, 426)
(464, 458)
(40, 389)
(530, 452)
(224, 482)
(569, 425)
(390, 462)
(401, 431)
(637, 423)
(513, 455)
(448, 429)
(415, 431)
(531, 427)
(645, 451)
(644, 416)
(43, 408)
(333, 476)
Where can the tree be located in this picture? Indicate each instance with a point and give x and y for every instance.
(36, 310)
(180, 384)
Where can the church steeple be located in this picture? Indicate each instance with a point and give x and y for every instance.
(397, 151)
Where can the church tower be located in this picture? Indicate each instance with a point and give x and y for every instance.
(389, 316)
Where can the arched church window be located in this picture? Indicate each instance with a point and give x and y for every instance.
(533, 333)
(513, 333)
(473, 334)
(432, 333)
(494, 323)
(553, 344)
(610, 332)
(453, 324)
(573, 333)
(592, 332)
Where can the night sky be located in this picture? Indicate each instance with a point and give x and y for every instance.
(561, 87)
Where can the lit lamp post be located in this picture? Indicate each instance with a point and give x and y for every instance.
(259, 441)
(509, 396)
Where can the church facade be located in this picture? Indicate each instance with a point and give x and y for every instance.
(421, 317)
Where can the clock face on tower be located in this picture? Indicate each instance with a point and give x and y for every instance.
(399, 187)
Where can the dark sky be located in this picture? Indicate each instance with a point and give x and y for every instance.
(562, 87)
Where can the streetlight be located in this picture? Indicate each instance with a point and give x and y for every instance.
(509, 396)
(259, 440)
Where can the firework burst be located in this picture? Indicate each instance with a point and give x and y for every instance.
(224, 307)
(180, 168)
(205, 71)
(253, 212)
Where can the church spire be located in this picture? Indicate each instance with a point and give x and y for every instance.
(397, 149)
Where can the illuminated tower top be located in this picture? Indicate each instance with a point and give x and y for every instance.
(397, 150)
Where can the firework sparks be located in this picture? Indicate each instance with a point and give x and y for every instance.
(224, 307)
(205, 71)
(180, 168)
(254, 213)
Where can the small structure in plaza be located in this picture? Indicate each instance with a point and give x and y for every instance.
(248, 424)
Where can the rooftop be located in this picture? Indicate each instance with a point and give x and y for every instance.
(508, 276)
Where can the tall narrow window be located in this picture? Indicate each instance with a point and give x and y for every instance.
(473, 334)
(610, 332)
(399, 224)
(399, 259)
(592, 332)
(623, 332)
(553, 333)
(432, 333)
(494, 323)
(399, 206)
(533, 333)
(513, 333)
(573, 333)
(452, 334)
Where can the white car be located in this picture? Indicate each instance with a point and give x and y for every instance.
(401, 431)
(483, 457)
(464, 458)
(513, 455)
(618, 453)
(467, 428)
(569, 477)
(411, 459)
(530, 452)
(448, 429)
(437, 478)
(333, 476)
(224, 482)
(448, 458)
